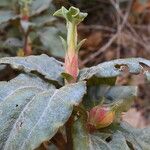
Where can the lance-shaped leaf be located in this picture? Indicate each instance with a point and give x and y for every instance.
(120, 137)
(112, 69)
(97, 140)
(43, 20)
(43, 115)
(139, 138)
(6, 15)
(14, 95)
(80, 134)
(50, 40)
(7, 3)
(44, 65)
(118, 142)
(123, 96)
(38, 6)
(12, 43)
(96, 143)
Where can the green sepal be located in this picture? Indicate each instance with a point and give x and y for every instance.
(64, 43)
(67, 76)
(61, 12)
(80, 44)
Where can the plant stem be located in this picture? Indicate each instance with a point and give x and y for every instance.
(73, 17)
(25, 44)
(69, 133)
(59, 141)
(72, 43)
(27, 47)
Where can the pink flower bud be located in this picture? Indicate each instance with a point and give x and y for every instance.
(100, 117)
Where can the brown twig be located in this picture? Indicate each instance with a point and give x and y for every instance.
(59, 141)
(101, 50)
(132, 30)
(69, 133)
(107, 45)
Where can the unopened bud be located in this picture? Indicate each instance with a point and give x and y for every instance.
(100, 117)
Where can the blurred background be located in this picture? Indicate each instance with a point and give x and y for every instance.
(114, 29)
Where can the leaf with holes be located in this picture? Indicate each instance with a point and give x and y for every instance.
(111, 69)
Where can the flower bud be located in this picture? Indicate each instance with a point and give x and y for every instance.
(100, 117)
(73, 17)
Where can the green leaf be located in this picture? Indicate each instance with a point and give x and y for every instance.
(12, 42)
(118, 142)
(38, 6)
(96, 143)
(49, 67)
(117, 92)
(43, 20)
(121, 137)
(14, 95)
(120, 96)
(80, 134)
(7, 15)
(113, 68)
(10, 46)
(43, 116)
(95, 95)
(51, 42)
(139, 138)
(8, 3)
